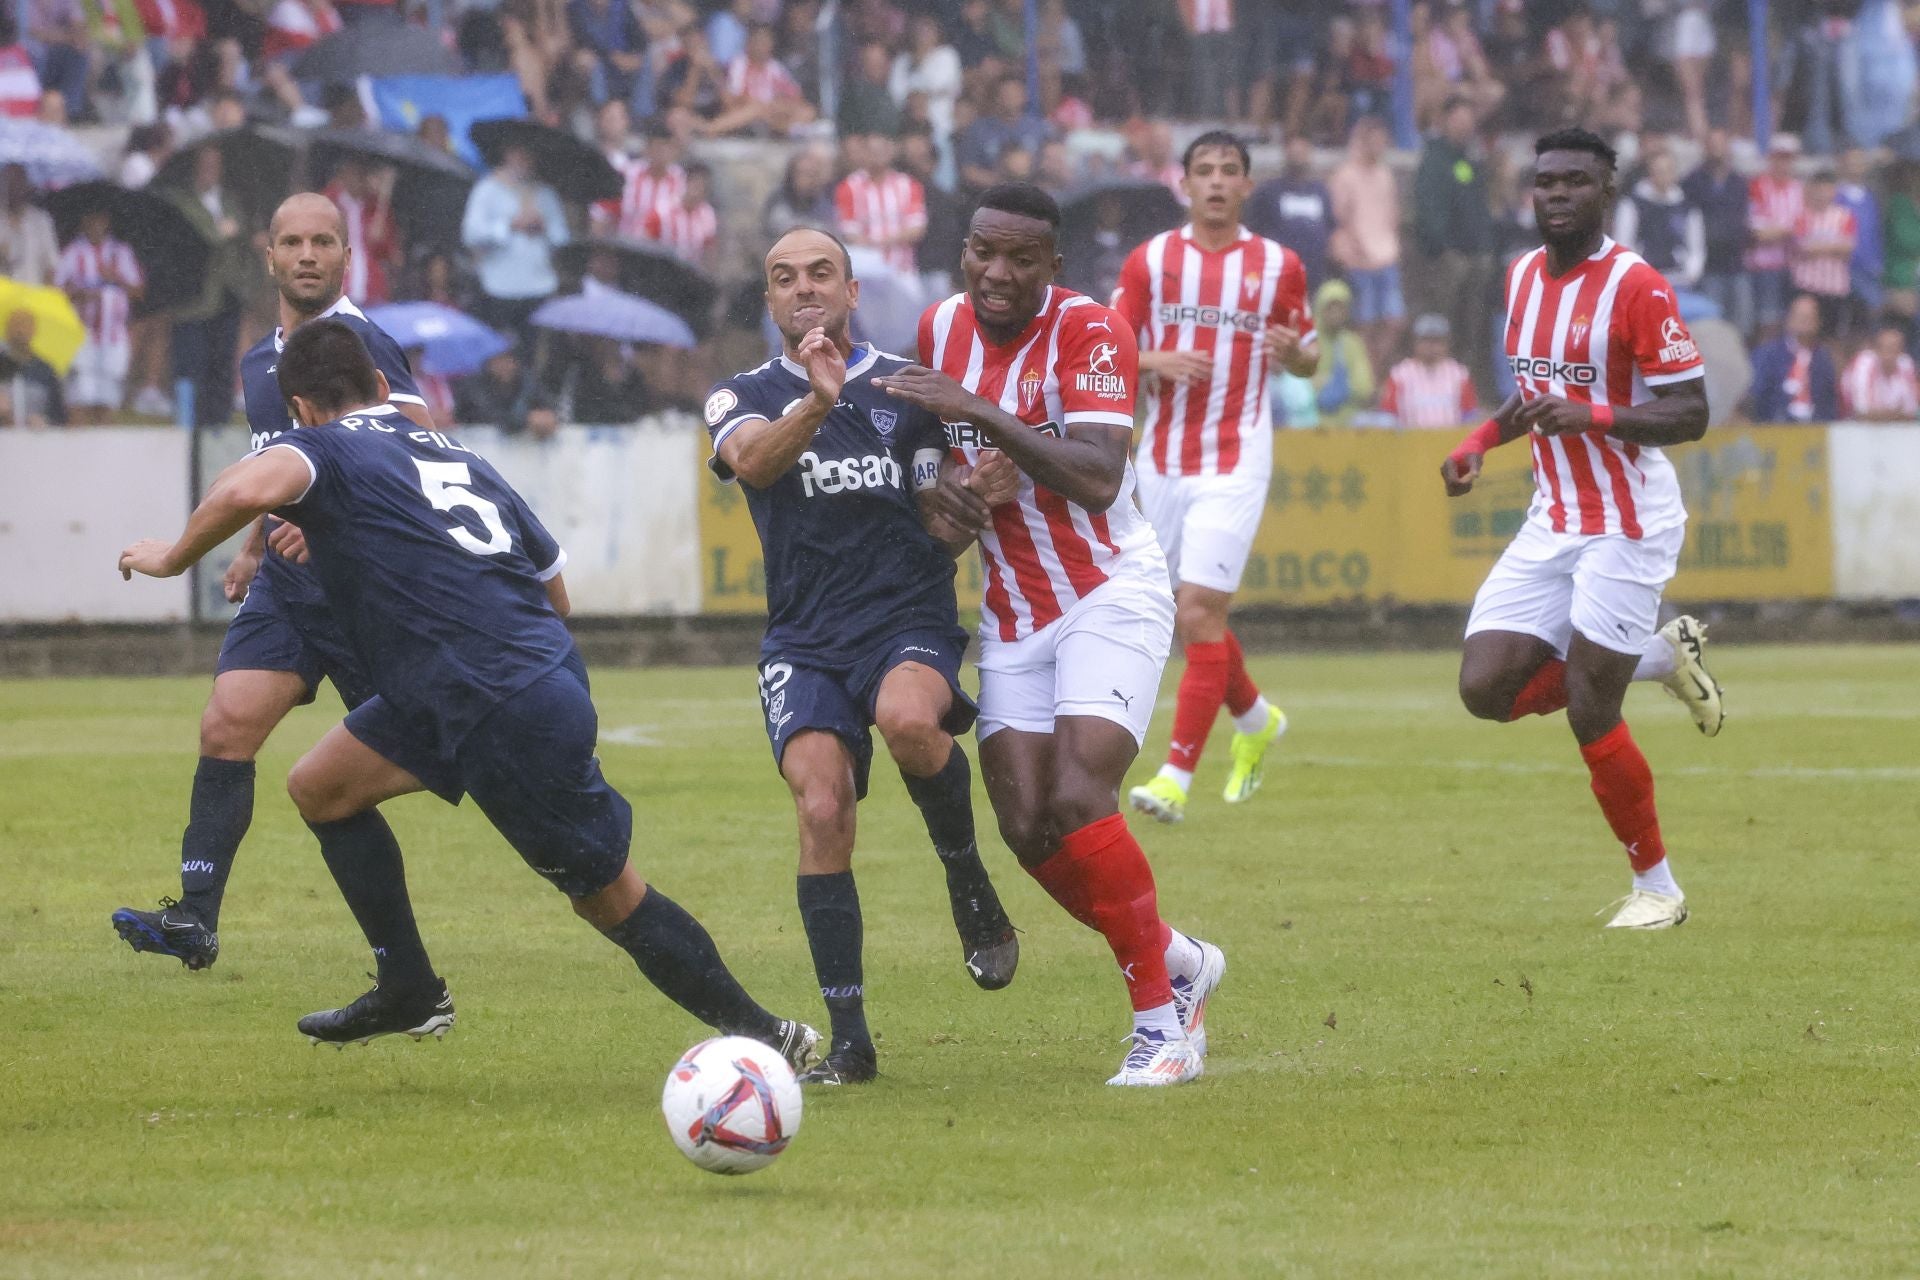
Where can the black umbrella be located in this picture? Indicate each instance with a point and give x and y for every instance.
(258, 163)
(574, 169)
(650, 271)
(170, 250)
(377, 49)
(431, 187)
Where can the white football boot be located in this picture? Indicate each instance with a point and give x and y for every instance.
(1645, 909)
(1190, 997)
(1690, 682)
(1153, 1060)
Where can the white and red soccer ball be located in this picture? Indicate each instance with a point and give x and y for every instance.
(731, 1104)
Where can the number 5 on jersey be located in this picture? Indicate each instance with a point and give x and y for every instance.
(444, 484)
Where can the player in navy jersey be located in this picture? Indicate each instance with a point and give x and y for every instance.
(862, 627)
(284, 640)
(449, 590)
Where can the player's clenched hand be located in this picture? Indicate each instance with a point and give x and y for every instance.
(995, 478)
(151, 557)
(932, 391)
(1282, 342)
(1184, 368)
(1553, 416)
(289, 542)
(954, 502)
(239, 576)
(1460, 472)
(826, 367)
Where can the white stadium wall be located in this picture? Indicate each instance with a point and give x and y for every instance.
(1876, 511)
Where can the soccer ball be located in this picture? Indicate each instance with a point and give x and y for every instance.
(731, 1104)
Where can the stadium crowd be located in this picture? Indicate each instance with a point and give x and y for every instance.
(890, 114)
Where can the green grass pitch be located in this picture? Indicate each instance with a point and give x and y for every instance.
(1428, 1059)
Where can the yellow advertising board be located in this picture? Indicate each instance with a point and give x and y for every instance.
(1360, 517)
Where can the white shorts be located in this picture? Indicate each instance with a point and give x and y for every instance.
(99, 374)
(1606, 587)
(1205, 524)
(1103, 658)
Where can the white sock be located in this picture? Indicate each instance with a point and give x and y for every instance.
(1657, 660)
(1658, 879)
(1183, 777)
(1162, 1021)
(1254, 718)
(1183, 957)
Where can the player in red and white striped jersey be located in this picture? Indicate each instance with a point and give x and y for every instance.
(1212, 305)
(1608, 375)
(104, 279)
(1077, 617)
(1880, 385)
(689, 226)
(881, 207)
(1429, 388)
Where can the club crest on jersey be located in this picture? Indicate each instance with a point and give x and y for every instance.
(884, 421)
(1577, 331)
(1032, 382)
(1250, 286)
(1678, 343)
(719, 404)
(1102, 377)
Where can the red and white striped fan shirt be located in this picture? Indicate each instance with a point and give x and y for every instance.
(643, 188)
(1435, 395)
(1605, 333)
(1176, 296)
(765, 82)
(1075, 363)
(1827, 274)
(1204, 17)
(1868, 388)
(1772, 206)
(688, 232)
(19, 83)
(872, 209)
(83, 265)
(375, 239)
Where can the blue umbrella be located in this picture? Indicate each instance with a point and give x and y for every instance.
(609, 313)
(53, 156)
(454, 343)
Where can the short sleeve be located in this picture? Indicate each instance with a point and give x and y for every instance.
(314, 453)
(729, 405)
(392, 361)
(1133, 294)
(1098, 367)
(1291, 306)
(1663, 349)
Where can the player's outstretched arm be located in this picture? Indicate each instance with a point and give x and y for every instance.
(1086, 466)
(245, 491)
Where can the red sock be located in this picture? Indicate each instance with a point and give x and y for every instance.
(1242, 692)
(1100, 870)
(1202, 689)
(1544, 694)
(1623, 784)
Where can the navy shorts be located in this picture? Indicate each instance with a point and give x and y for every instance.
(274, 633)
(530, 767)
(797, 696)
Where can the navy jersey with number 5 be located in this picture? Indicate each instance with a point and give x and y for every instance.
(434, 567)
(848, 563)
(268, 418)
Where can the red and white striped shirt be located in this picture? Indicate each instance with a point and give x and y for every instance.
(292, 25)
(765, 82)
(1429, 395)
(1176, 296)
(375, 240)
(1826, 273)
(83, 265)
(1605, 333)
(19, 83)
(1868, 388)
(884, 208)
(1075, 363)
(1772, 206)
(1204, 17)
(643, 187)
(688, 232)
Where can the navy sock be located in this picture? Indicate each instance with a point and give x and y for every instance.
(217, 821)
(678, 956)
(946, 804)
(830, 910)
(365, 861)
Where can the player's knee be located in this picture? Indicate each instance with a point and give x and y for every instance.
(231, 730)
(1199, 622)
(914, 739)
(1030, 833)
(825, 806)
(1485, 695)
(307, 787)
(1080, 803)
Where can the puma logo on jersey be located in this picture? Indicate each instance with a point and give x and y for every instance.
(848, 475)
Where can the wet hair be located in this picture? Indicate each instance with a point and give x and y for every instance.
(846, 257)
(326, 364)
(1217, 138)
(1578, 140)
(1023, 199)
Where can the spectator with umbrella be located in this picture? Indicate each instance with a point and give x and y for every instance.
(104, 280)
(602, 385)
(33, 396)
(505, 394)
(513, 223)
(28, 251)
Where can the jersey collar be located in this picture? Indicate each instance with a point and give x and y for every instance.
(1240, 236)
(864, 354)
(342, 306)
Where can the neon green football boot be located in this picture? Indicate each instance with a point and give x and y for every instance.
(1250, 757)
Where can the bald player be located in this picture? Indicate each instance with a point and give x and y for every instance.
(284, 640)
